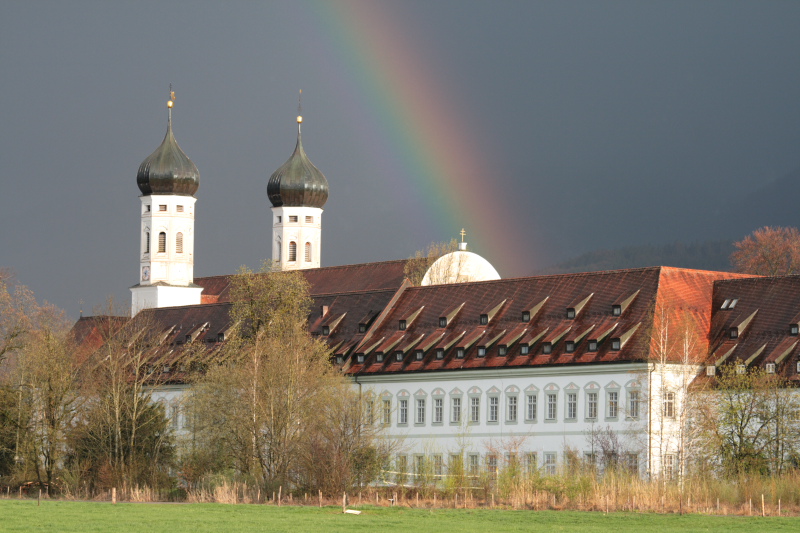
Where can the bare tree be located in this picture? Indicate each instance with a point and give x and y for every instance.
(422, 260)
(769, 251)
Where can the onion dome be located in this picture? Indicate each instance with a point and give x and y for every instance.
(168, 170)
(298, 182)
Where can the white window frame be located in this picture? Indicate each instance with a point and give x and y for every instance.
(551, 406)
(455, 410)
(475, 410)
(402, 412)
(612, 404)
(420, 412)
(531, 406)
(592, 399)
(493, 413)
(438, 410)
(512, 408)
(572, 405)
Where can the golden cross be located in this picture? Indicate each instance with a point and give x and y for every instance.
(463, 233)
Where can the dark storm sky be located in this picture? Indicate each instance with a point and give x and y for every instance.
(600, 124)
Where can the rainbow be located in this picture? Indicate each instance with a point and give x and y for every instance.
(429, 137)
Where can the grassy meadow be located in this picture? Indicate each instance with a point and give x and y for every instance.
(67, 516)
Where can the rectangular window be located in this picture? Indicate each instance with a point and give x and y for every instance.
(179, 208)
(402, 412)
(633, 404)
(456, 414)
(531, 464)
(419, 464)
(387, 412)
(176, 415)
(440, 353)
(591, 405)
(369, 417)
(474, 464)
(494, 403)
(572, 405)
(550, 463)
(279, 219)
(438, 410)
(669, 466)
(632, 463)
(147, 208)
(552, 406)
(162, 207)
(421, 411)
(613, 404)
(475, 410)
(512, 409)
(309, 220)
(491, 465)
(438, 464)
(530, 414)
(292, 218)
(524, 349)
(592, 346)
(669, 405)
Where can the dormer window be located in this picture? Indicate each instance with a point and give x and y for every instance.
(481, 351)
(798, 367)
(592, 345)
(526, 316)
(734, 333)
(379, 357)
(711, 370)
(418, 354)
(398, 356)
(616, 344)
(362, 328)
(442, 321)
(502, 350)
(359, 357)
(439, 353)
(794, 330)
(770, 368)
(547, 348)
(740, 369)
(402, 325)
(484, 319)
(571, 312)
(569, 346)
(220, 337)
(460, 353)
(616, 310)
(339, 359)
(524, 349)
(326, 330)
(188, 338)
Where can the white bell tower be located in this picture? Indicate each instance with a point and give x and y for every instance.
(168, 181)
(297, 190)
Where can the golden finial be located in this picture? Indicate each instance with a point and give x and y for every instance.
(300, 107)
(171, 101)
(463, 234)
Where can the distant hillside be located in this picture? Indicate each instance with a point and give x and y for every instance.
(709, 255)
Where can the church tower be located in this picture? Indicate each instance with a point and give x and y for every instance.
(297, 190)
(168, 181)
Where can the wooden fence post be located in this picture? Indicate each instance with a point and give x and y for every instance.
(280, 491)
(320, 499)
(114, 495)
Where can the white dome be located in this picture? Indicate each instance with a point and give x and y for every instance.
(459, 267)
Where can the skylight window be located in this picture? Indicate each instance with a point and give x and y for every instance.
(733, 303)
(725, 304)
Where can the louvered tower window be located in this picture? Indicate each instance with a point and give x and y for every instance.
(292, 251)
(162, 242)
(308, 252)
(179, 243)
(147, 242)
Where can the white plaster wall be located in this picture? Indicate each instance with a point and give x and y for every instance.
(169, 267)
(540, 435)
(157, 296)
(300, 232)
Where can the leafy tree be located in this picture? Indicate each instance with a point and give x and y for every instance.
(769, 251)
(747, 423)
(276, 409)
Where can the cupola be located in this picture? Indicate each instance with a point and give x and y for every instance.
(298, 183)
(168, 170)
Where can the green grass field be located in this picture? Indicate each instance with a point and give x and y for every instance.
(58, 516)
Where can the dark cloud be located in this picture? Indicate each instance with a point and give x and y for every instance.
(607, 124)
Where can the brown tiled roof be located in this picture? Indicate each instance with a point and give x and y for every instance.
(767, 335)
(678, 292)
(326, 280)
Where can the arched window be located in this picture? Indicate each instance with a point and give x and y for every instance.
(292, 251)
(179, 243)
(162, 242)
(308, 252)
(147, 242)
(279, 246)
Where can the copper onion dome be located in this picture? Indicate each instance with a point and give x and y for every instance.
(298, 182)
(168, 170)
